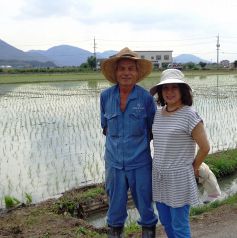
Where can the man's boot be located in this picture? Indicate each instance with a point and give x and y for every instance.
(115, 232)
(149, 232)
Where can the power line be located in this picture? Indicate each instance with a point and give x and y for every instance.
(229, 53)
(164, 40)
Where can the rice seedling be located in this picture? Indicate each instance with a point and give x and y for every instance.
(11, 201)
(51, 137)
(28, 198)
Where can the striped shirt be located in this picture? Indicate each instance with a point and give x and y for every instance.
(173, 178)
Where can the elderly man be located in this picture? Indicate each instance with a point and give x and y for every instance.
(127, 112)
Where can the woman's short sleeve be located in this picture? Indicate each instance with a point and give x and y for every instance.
(194, 119)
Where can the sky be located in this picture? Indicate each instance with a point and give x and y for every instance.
(183, 26)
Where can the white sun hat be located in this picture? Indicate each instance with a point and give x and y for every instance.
(170, 76)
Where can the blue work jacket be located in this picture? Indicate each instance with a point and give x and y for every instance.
(127, 143)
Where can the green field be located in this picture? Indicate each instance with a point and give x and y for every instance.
(59, 77)
(56, 77)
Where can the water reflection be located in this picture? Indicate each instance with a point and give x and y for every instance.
(217, 87)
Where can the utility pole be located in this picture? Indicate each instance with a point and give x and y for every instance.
(95, 53)
(217, 51)
(94, 48)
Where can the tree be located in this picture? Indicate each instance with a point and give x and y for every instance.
(235, 64)
(164, 65)
(202, 64)
(84, 66)
(190, 65)
(91, 61)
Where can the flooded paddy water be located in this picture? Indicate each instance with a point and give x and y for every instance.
(51, 139)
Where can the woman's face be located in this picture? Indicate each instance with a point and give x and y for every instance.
(171, 94)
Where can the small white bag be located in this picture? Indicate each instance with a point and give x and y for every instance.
(209, 181)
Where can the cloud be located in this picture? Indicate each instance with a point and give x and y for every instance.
(164, 15)
(182, 26)
(50, 8)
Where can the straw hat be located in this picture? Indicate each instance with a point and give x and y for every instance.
(170, 76)
(108, 66)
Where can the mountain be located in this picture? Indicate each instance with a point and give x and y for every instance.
(9, 55)
(106, 54)
(62, 55)
(8, 52)
(186, 58)
(65, 55)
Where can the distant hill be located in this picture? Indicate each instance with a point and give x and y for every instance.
(66, 55)
(186, 58)
(62, 55)
(8, 52)
(106, 54)
(10, 55)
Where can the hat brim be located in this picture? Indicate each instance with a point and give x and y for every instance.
(108, 68)
(154, 89)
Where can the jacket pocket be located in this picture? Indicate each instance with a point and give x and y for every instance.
(138, 124)
(112, 123)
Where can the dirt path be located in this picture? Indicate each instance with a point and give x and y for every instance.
(41, 222)
(220, 223)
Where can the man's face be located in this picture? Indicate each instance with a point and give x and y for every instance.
(126, 73)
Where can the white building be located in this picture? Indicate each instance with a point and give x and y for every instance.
(5, 66)
(225, 63)
(157, 57)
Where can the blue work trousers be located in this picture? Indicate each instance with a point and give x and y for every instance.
(118, 181)
(174, 220)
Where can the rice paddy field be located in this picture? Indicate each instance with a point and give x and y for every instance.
(51, 139)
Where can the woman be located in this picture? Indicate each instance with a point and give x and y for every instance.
(177, 128)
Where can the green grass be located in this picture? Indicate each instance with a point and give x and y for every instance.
(67, 77)
(70, 201)
(10, 201)
(92, 193)
(232, 200)
(132, 228)
(84, 232)
(56, 77)
(223, 163)
(28, 198)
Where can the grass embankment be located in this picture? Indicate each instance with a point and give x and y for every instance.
(221, 163)
(56, 217)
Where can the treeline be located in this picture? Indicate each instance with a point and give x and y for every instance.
(73, 69)
(25, 64)
(16, 67)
